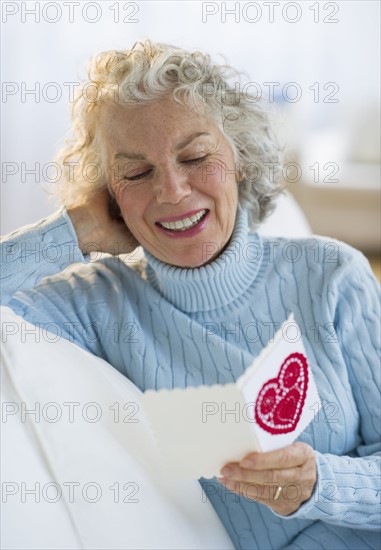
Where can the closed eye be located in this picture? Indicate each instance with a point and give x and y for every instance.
(142, 175)
(138, 176)
(195, 161)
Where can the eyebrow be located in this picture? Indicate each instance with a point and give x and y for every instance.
(178, 147)
(190, 138)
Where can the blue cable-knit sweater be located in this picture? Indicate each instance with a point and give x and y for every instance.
(185, 327)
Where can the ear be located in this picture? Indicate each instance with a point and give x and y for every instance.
(239, 177)
(239, 168)
(114, 209)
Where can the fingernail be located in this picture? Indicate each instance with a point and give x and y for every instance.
(227, 472)
(246, 463)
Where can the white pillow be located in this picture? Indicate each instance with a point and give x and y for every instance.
(136, 503)
(287, 220)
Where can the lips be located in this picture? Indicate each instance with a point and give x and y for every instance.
(183, 223)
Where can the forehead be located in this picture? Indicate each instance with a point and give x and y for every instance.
(161, 122)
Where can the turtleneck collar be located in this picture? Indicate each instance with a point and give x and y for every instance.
(213, 285)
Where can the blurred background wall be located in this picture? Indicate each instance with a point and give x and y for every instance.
(317, 62)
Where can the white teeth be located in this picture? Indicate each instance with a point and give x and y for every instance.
(186, 223)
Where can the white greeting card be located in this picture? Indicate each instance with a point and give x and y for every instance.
(199, 429)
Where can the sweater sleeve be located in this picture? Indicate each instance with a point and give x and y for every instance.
(35, 251)
(81, 304)
(348, 488)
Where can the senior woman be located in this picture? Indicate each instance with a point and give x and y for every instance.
(165, 155)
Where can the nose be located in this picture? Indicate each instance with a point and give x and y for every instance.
(172, 186)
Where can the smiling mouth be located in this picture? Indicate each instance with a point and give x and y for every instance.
(185, 223)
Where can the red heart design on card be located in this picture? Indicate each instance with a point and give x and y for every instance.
(280, 402)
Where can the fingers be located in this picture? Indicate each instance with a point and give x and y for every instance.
(283, 499)
(292, 463)
(267, 492)
(260, 475)
(289, 457)
(274, 477)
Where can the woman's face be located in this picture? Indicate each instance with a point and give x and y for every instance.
(173, 175)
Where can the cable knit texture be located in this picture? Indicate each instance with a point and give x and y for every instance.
(186, 327)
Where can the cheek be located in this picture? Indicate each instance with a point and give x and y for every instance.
(128, 201)
(222, 187)
(133, 208)
(218, 175)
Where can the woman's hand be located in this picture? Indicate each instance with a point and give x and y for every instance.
(100, 227)
(260, 475)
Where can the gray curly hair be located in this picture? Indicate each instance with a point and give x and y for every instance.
(146, 73)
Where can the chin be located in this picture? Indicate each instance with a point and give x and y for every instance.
(188, 260)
